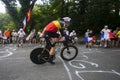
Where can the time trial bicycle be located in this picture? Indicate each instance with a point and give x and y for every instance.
(68, 52)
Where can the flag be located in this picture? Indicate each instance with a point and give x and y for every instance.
(28, 15)
(24, 23)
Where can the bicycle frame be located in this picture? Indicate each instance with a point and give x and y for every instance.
(48, 46)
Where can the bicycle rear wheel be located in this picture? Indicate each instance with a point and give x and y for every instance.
(69, 52)
(38, 54)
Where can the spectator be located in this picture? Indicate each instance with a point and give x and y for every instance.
(34, 36)
(7, 35)
(14, 35)
(21, 35)
(86, 37)
(101, 38)
(90, 38)
(30, 37)
(106, 35)
(116, 37)
(112, 38)
(73, 36)
(118, 41)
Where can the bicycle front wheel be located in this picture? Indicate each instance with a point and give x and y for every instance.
(69, 52)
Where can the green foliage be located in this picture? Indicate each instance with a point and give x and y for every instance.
(16, 14)
(6, 22)
(11, 25)
(93, 14)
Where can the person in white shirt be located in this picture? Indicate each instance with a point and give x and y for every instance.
(21, 35)
(106, 35)
(73, 36)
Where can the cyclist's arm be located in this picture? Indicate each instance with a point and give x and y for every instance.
(62, 32)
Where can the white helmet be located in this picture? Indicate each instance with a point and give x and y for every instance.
(66, 19)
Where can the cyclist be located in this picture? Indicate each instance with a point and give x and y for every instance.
(51, 35)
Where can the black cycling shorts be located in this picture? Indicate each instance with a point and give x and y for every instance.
(51, 34)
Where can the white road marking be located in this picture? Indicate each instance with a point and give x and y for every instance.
(67, 69)
(97, 71)
(82, 66)
(9, 54)
(85, 56)
(116, 72)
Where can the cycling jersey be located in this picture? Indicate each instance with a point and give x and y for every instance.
(53, 26)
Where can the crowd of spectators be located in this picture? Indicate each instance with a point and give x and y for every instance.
(107, 37)
(18, 37)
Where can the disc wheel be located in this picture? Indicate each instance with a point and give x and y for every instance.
(37, 55)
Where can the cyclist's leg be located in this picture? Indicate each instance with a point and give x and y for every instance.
(52, 50)
(53, 37)
(49, 45)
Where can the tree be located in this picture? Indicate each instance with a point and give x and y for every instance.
(6, 21)
(18, 16)
(93, 14)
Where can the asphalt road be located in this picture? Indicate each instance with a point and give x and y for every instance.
(90, 64)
